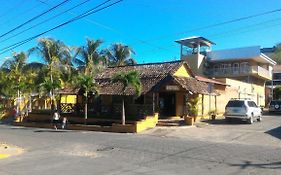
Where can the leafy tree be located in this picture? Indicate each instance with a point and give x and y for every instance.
(54, 54)
(15, 75)
(277, 92)
(277, 53)
(89, 58)
(127, 79)
(192, 105)
(120, 55)
(87, 83)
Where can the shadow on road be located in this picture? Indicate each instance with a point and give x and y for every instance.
(48, 130)
(271, 165)
(224, 122)
(276, 132)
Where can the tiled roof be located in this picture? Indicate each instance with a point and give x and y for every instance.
(193, 85)
(69, 90)
(150, 75)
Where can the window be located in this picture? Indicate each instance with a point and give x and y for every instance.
(244, 67)
(223, 68)
(252, 104)
(235, 103)
(277, 76)
(236, 68)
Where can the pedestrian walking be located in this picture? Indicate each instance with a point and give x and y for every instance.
(64, 123)
(56, 118)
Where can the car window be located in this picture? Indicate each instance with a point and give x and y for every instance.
(253, 104)
(250, 104)
(235, 103)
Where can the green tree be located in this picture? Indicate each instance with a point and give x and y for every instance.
(277, 92)
(87, 84)
(16, 76)
(54, 54)
(88, 58)
(276, 56)
(192, 105)
(128, 79)
(120, 55)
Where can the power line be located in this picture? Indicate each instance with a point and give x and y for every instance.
(116, 31)
(241, 30)
(87, 13)
(32, 19)
(219, 24)
(46, 20)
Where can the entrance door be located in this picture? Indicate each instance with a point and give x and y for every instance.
(167, 103)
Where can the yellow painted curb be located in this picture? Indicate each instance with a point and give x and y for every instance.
(7, 150)
(2, 156)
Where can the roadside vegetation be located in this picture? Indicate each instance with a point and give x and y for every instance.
(57, 66)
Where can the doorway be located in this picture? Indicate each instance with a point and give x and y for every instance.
(167, 104)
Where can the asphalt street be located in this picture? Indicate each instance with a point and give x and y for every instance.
(214, 148)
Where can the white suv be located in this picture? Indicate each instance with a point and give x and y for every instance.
(243, 109)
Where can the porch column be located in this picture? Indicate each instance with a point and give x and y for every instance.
(153, 103)
(215, 102)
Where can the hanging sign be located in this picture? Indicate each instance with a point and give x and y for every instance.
(172, 88)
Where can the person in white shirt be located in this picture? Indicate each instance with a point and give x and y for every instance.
(56, 118)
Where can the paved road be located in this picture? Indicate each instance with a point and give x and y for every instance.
(185, 150)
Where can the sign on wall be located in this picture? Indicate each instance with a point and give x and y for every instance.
(172, 88)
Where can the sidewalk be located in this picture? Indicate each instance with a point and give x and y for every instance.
(220, 131)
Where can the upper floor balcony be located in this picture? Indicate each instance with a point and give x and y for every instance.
(235, 71)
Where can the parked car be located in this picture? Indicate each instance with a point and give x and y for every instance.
(243, 109)
(275, 106)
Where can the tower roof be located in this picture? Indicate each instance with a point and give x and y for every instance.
(193, 41)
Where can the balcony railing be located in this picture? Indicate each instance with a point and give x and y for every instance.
(240, 71)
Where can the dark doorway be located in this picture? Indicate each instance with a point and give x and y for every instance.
(167, 104)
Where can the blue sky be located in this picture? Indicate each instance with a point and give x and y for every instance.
(150, 27)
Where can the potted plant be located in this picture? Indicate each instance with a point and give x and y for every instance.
(213, 114)
(193, 108)
(188, 120)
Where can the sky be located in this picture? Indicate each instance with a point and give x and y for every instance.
(149, 27)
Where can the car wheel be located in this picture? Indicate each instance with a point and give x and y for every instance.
(251, 120)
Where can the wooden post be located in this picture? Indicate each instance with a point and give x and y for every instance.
(203, 104)
(215, 102)
(153, 103)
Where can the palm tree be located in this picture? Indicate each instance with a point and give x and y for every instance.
(120, 55)
(88, 58)
(127, 79)
(54, 53)
(16, 77)
(87, 83)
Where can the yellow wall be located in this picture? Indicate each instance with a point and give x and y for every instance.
(68, 99)
(182, 72)
(195, 62)
(206, 104)
(254, 91)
